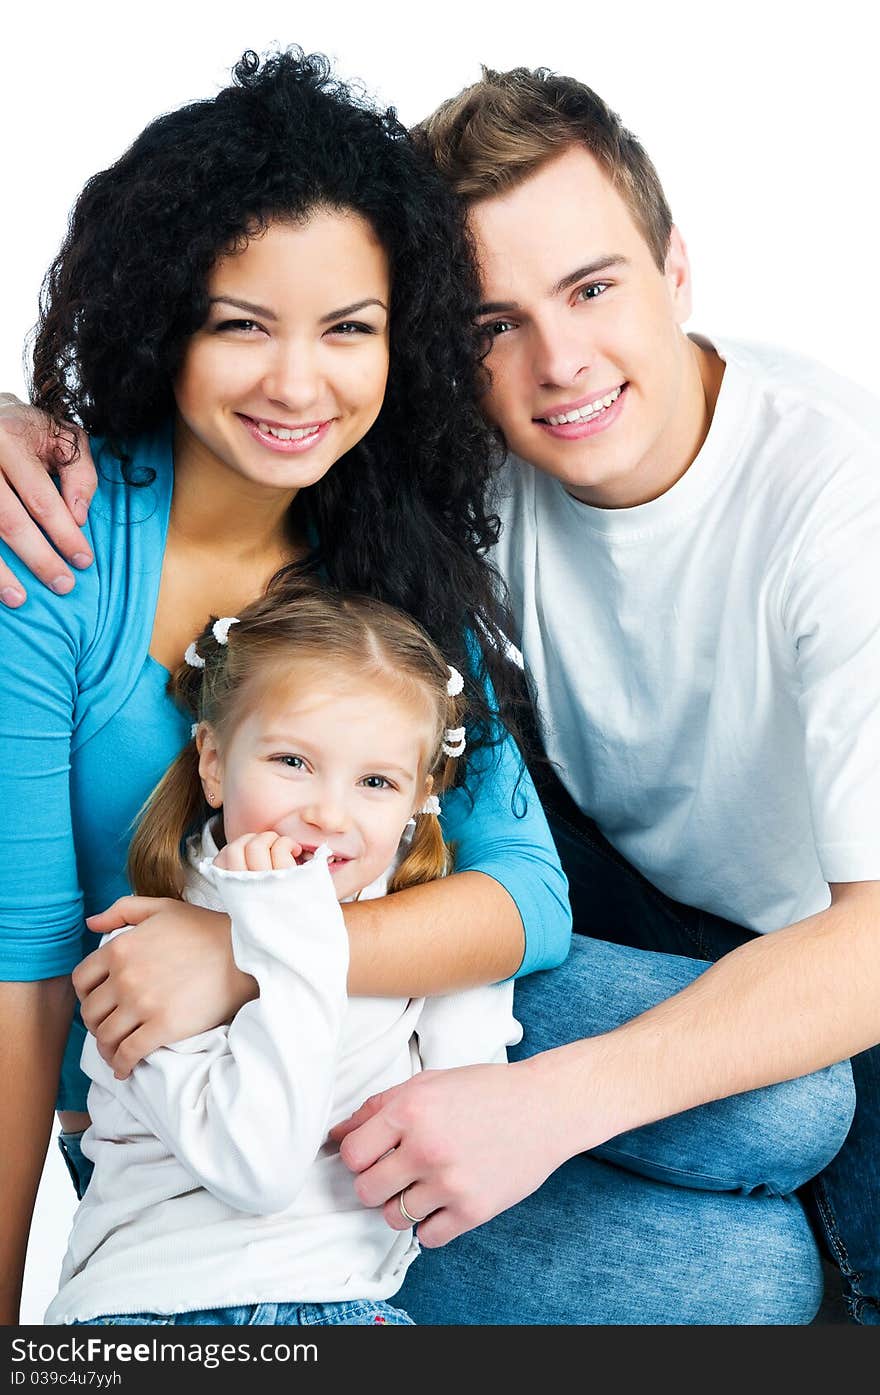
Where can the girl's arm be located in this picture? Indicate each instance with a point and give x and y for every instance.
(246, 1110)
(505, 912)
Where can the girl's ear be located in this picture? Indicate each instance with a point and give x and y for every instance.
(210, 764)
(426, 790)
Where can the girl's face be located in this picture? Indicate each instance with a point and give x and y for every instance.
(323, 761)
(289, 370)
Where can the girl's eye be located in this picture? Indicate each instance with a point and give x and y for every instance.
(376, 782)
(291, 762)
(592, 291)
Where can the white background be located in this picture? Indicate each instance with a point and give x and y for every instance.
(763, 120)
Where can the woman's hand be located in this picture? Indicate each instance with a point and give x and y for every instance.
(171, 978)
(30, 450)
(463, 1144)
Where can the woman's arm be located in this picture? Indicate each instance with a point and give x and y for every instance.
(30, 451)
(34, 1021)
(40, 903)
(506, 913)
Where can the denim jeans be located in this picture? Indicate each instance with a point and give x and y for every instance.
(690, 1220)
(360, 1313)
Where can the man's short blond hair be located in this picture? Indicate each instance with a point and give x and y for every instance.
(499, 131)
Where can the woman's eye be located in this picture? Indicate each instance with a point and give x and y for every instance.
(592, 291)
(347, 328)
(236, 326)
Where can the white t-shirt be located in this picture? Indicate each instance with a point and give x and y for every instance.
(707, 665)
(214, 1183)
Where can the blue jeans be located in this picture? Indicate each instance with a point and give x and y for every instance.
(691, 1220)
(361, 1313)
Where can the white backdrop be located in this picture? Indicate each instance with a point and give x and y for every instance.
(763, 120)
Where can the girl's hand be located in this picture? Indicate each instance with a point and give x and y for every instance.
(258, 852)
(31, 450)
(463, 1144)
(171, 978)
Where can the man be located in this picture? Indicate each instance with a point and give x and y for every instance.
(687, 540)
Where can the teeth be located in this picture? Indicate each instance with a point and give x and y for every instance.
(592, 409)
(282, 433)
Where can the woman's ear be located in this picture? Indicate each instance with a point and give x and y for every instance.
(210, 764)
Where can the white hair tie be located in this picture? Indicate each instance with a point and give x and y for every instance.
(430, 806)
(220, 628)
(454, 742)
(192, 656)
(456, 682)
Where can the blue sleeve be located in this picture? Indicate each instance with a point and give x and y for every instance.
(40, 901)
(517, 851)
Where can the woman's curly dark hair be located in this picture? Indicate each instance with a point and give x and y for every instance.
(401, 516)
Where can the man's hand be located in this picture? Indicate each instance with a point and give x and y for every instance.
(463, 1144)
(31, 448)
(171, 978)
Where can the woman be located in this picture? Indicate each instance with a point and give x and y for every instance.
(265, 286)
(598, 1244)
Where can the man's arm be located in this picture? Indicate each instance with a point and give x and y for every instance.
(479, 1140)
(34, 1021)
(31, 450)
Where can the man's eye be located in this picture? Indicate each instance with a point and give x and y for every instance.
(592, 291)
(495, 327)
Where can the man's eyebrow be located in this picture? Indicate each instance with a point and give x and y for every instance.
(496, 307)
(600, 264)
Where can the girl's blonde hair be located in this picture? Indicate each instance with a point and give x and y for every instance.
(296, 620)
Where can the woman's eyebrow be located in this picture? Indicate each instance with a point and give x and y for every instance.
(248, 305)
(352, 309)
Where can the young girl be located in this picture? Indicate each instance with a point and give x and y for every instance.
(326, 725)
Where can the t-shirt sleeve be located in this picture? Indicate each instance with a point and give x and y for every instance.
(504, 833)
(40, 901)
(832, 616)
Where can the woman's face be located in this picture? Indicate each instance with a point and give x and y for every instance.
(289, 370)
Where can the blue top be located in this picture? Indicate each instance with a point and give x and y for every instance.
(87, 729)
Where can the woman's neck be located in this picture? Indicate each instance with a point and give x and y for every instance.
(214, 508)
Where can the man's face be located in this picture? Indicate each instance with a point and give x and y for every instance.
(582, 323)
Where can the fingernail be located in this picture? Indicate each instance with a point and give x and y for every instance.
(61, 585)
(11, 596)
(81, 559)
(80, 510)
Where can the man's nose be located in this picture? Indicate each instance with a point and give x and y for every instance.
(561, 351)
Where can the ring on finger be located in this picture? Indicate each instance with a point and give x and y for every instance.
(407, 1215)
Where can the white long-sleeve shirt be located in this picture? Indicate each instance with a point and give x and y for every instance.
(214, 1183)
